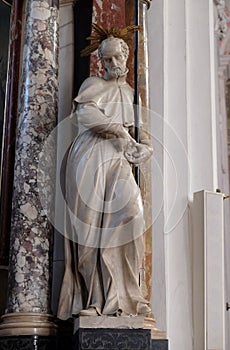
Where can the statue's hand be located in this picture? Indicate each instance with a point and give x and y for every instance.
(138, 153)
(122, 139)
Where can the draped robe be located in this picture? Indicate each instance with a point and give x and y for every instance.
(104, 216)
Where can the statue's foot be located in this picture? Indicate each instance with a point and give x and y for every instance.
(144, 309)
(91, 311)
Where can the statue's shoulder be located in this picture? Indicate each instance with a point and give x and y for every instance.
(91, 89)
(92, 81)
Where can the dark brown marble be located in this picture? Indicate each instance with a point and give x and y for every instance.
(129, 20)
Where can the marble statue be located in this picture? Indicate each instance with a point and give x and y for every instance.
(105, 248)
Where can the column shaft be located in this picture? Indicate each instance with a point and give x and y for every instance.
(11, 110)
(146, 169)
(143, 87)
(31, 232)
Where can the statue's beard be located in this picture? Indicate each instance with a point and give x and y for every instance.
(117, 72)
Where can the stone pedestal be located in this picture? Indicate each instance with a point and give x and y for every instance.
(124, 322)
(159, 344)
(116, 339)
(112, 338)
(113, 333)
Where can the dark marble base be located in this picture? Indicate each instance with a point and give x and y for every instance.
(90, 339)
(159, 344)
(112, 339)
(28, 343)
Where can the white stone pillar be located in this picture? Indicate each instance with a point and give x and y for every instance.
(208, 271)
(156, 75)
(183, 93)
(65, 136)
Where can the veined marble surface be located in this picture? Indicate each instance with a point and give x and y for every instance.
(31, 234)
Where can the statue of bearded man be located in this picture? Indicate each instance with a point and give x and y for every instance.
(105, 248)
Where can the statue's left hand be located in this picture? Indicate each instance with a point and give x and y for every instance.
(138, 153)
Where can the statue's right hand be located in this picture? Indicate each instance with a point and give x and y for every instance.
(138, 153)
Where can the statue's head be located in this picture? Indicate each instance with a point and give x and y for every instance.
(114, 52)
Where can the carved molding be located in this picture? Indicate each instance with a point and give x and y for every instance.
(222, 19)
(21, 323)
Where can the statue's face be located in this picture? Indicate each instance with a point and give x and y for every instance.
(114, 60)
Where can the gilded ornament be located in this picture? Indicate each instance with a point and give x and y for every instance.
(102, 34)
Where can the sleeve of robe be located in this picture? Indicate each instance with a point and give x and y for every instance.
(91, 116)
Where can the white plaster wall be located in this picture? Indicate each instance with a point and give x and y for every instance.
(208, 274)
(64, 134)
(177, 250)
(66, 59)
(183, 90)
(202, 95)
(156, 63)
(168, 72)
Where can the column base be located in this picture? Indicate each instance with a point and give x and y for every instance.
(18, 324)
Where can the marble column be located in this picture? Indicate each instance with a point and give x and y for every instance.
(13, 17)
(11, 110)
(146, 169)
(143, 87)
(28, 311)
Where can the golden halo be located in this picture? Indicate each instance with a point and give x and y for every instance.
(102, 34)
